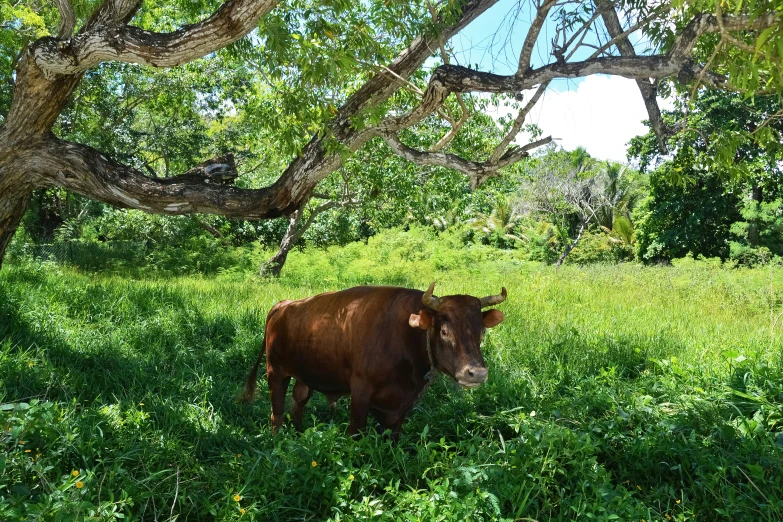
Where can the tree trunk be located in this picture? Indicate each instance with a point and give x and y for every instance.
(274, 266)
(754, 237)
(14, 197)
(570, 247)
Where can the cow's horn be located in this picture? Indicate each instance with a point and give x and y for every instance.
(492, 300)
(428, 300)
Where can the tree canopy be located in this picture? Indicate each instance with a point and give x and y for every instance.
(190, 89)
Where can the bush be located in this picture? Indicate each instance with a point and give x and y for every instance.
(599, 247)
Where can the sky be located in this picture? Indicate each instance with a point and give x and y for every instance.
(600, 113)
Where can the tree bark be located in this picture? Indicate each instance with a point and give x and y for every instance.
(573, 244)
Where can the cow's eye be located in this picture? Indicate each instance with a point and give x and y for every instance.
(444, 332)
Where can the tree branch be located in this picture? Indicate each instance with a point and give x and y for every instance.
(67, 19)
(112, 12)
(455, 126)
(532, 36)
(477, 172)
(517, 126)
(453, 78)
(232, 21)
(647, 88)
(84, 170)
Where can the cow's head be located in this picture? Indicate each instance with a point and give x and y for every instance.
(457, 324)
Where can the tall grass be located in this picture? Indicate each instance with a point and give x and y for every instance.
(615, 392)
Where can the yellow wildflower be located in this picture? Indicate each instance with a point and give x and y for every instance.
(27, 451)
(75, 473)
(350, 477)
(237, 498)
(79, 485)
(242, 511)
(239, 455)
(314, 464)
(21, 442)
(678, 501)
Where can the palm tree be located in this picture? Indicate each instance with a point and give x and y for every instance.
(503, 218)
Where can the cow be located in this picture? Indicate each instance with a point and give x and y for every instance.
(381, 345)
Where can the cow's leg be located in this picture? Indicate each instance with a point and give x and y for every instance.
(301, 395)
(278, 386)
(361, 396)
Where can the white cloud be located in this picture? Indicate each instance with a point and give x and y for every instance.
(600, 113)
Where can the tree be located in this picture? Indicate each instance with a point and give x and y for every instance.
(715, 193)
(564, 188)
(297, 226)
(334, 65)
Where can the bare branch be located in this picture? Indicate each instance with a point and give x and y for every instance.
(620, 36)
(67, 19)
(581, 32)
(477, 172)
(517, 126)
(436, 159)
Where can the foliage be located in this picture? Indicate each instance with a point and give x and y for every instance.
(498, 228)
(573, 190)
(716, 132)
(700, 203)
(674, 219)
(768, 219)
(598, 246)
(127, 386)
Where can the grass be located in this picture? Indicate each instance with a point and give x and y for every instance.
(615, 393)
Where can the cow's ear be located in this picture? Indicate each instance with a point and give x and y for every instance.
(421, 320)
(493, 318)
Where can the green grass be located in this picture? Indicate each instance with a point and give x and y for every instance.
(615, 392)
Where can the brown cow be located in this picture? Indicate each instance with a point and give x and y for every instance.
(376, 344)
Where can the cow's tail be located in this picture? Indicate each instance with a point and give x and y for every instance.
(249, 392)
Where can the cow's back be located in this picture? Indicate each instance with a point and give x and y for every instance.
(329, 339)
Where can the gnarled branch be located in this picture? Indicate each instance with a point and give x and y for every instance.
(86, 171)
(232, 21)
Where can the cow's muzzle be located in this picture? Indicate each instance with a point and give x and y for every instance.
(472, 376)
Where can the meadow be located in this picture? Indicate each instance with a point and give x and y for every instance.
(615, 392)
